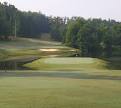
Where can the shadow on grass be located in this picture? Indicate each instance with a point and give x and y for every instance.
(113, 63)
(59, 75)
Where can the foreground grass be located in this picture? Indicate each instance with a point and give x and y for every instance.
(43, 92)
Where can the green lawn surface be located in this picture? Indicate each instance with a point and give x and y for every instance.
(44, 92)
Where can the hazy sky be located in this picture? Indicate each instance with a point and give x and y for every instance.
(85, 8)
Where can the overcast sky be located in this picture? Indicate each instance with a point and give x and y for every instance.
(86, 8)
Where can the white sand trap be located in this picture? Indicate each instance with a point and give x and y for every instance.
(49, 50)
(70, 61)
(72, 50)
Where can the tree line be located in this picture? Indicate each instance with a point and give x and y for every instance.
(28, 24)
(94, 37)
(7, 20)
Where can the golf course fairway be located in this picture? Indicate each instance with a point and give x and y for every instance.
(57, 80)
(44, 92)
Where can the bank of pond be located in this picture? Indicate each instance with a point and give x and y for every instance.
(16, 64)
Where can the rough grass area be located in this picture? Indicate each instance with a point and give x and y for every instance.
(67, 63)
(38, 92)
(29, 43)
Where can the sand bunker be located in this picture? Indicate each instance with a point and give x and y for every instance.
(49, 50)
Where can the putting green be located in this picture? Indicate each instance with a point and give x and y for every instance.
(67, 63)
(70, 60)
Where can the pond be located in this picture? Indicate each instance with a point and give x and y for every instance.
(16, 64)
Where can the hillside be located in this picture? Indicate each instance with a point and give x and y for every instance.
(33, 47)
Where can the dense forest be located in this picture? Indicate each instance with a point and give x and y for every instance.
(94, 37)
(14, 22)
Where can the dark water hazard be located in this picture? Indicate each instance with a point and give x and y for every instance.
(16, 64)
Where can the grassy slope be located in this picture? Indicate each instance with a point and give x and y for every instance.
(25, 47)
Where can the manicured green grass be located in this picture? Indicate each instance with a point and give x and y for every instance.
(70, 60)
(67, 63)
(43, 92)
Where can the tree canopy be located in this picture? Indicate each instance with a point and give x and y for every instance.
(94, 37)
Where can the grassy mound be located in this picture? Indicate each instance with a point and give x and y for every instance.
(67, 63)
